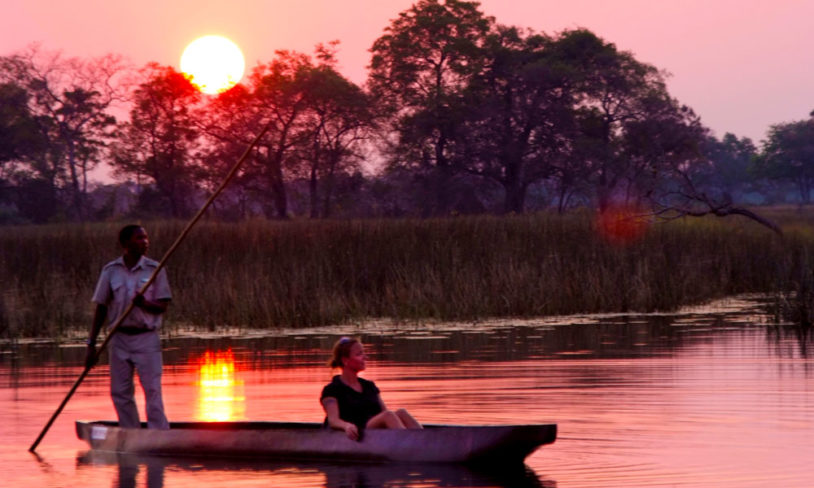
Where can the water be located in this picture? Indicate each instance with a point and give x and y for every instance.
(712, 397)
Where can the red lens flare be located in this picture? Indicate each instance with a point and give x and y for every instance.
(622, 224)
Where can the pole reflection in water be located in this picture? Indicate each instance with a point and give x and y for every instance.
(220, 392)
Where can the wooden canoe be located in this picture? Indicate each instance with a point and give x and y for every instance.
(311, 441)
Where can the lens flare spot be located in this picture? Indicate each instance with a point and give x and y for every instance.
(622, 224)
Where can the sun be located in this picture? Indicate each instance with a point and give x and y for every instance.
(214, 63)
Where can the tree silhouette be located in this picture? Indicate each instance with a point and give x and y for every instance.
(69, 101)
(418, 72)
(160, 139)
(788, 154)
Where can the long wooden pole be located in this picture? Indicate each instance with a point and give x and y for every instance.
(152, 278)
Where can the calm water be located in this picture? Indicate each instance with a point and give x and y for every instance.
(706, 398)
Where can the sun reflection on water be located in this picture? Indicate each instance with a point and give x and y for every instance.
(220, 391)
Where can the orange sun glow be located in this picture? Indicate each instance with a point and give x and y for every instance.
(220, 391)
(214, 63)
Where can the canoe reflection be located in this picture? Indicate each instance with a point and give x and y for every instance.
(335, 475)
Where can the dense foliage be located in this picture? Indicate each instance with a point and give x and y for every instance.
(460, 114)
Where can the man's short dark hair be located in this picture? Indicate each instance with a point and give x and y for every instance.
(127, 232)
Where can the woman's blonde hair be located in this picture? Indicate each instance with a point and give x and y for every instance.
(342, 350)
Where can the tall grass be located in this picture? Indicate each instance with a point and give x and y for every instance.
(264, 274)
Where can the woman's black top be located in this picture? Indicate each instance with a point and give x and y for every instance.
(354, 407)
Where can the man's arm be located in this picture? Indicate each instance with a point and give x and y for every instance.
(155, 307)
(161, 289)
(98, 321)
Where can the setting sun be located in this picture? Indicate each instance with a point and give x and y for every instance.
(214, 63)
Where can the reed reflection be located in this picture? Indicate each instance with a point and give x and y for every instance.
(791, 340)
(220, 391)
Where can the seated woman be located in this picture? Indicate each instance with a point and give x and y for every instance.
(352, 403)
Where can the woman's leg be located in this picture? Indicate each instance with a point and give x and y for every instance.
(385, 420)
(407, 419)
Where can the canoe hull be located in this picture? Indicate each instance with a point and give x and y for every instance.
(310, 441)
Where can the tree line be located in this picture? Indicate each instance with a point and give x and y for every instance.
(459, 114)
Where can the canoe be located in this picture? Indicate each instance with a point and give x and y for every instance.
(436, 443)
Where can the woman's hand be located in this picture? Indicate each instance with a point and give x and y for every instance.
(332, 413)
(352, 431)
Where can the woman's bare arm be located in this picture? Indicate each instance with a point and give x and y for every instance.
(331, 407)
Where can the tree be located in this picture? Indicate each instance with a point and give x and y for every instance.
(229, 123)
(788, 154)
(730, 162)
(19, 139)
(69, 100)
(617, 93)
(20, 142)
(520, 115)
(683, 178)
(160, 139)
(340, 116)
(316, 121)
(418, 72)
(275, 97)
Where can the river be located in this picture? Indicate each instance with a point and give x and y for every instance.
(712, 396)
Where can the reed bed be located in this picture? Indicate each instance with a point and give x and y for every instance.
(262, 274)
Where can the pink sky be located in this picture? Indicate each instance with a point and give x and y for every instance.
(740, 64)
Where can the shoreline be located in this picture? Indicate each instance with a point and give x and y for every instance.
(750, 303)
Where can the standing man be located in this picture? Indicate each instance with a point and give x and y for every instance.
(136, 345)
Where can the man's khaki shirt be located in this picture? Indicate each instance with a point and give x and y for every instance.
(118, 285)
